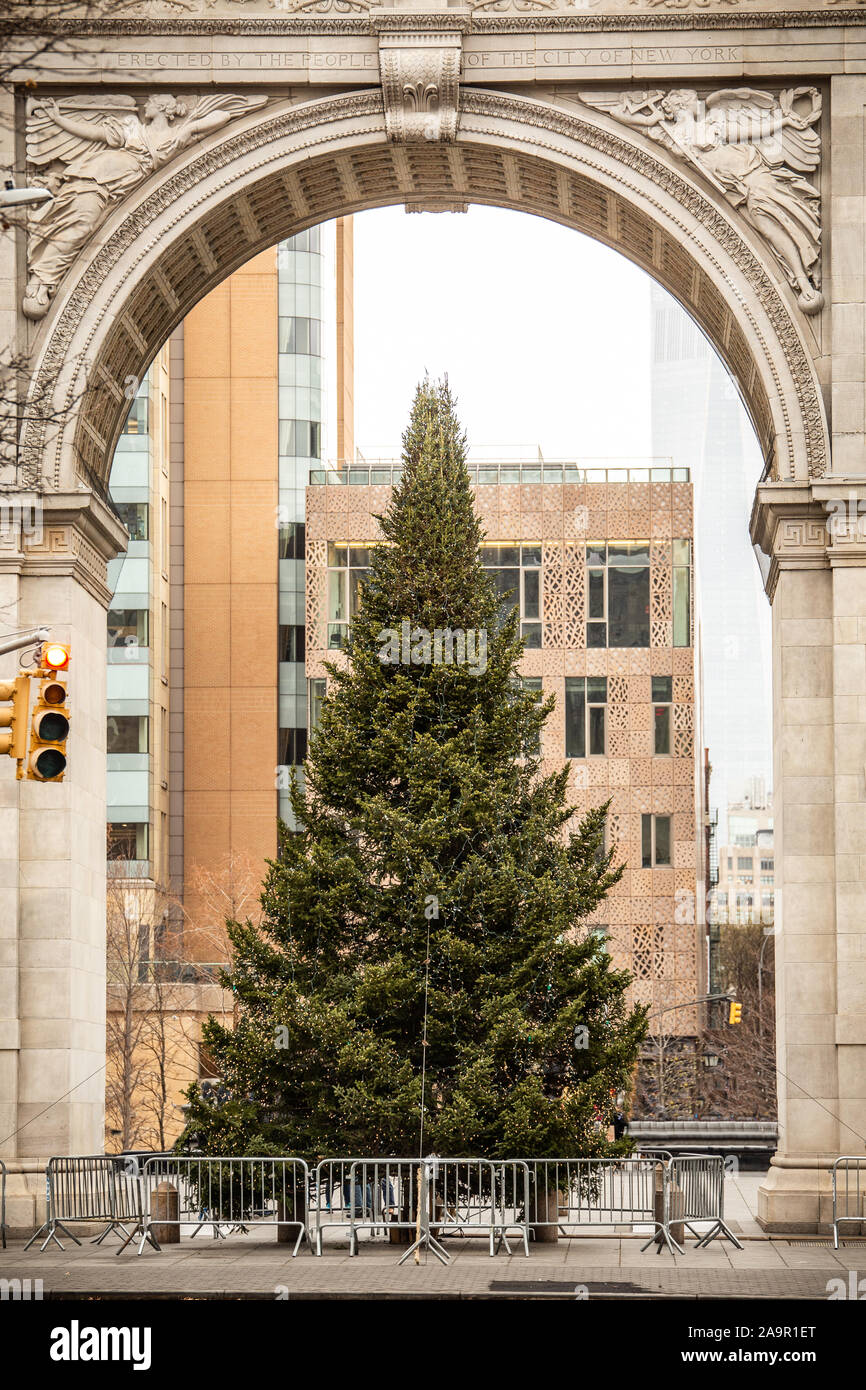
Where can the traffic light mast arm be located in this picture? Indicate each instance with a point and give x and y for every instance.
(16, 644)
(701, 999)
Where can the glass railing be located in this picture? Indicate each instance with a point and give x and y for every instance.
(489, 474)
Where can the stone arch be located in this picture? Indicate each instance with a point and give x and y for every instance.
(291, 166)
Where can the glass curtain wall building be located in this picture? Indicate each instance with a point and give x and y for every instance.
(137, 639)
(303, 280)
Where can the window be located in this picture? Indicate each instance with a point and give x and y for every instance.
(347, 566)
(292, 747)
(291, 643)
(137, 420)
(662, 694)
(134, 516)
(585, 701)
(655, 835)
(318, 689)
(768, 864)
(618, 594)
(744, 863)
(165, 640)
(127, 627)
(682, 558)
(301, 335)
(516, 574)
(164, 528)
(292, 541)
(301, 438)
(533, 746)
(163, 441)
(767, 880)
(127, 840)
(730, 864)
(127, 733)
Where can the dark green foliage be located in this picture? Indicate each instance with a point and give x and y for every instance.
(425, 811)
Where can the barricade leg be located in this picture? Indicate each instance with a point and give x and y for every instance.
(426, 1238)
(37, 1234)
(113, 1226)
(662, 1236)
(52, 1228)
(147, 1236)
(719, 1228)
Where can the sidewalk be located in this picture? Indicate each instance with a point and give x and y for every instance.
(254, 1267)
(607, 1266)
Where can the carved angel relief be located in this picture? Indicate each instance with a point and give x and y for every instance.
(755, 148)
(91, 151)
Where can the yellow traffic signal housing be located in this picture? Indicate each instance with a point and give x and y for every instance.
(49, 730)
(54, 656)
(13, 719)
(735, 1013)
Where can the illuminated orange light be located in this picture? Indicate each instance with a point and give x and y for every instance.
(55, 656)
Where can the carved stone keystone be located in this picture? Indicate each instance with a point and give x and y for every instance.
(421, 85)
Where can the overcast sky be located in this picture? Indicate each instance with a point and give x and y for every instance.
(545, 335)
(543, 332)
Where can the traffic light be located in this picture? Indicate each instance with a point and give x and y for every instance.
(53, 656)
(735, 1012)
(49, 725)
(14, 704)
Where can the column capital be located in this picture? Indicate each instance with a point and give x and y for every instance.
(789, 525)
(63, 533)
(844, 501)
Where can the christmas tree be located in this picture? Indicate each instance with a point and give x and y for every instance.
(423, 978)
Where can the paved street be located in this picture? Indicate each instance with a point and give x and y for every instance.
(611, 1266)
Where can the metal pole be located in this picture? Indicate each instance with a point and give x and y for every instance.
(16, 644)
(767, 935)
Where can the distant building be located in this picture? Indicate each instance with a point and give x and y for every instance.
(747, 866)
(601, 561)
(698, 420)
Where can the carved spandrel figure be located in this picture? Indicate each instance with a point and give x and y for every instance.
(753, 147)
(93, 152)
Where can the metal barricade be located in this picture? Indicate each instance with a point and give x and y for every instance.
(593, 1192)
(330, 1197)
(431, 1197)
(2, 1204)
(380, 1193)
(512, 1199)
(696, 1192)
(84, 1188)
(477, 1197)
(231, 1194)
(849, 1192)
(353, 1194)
